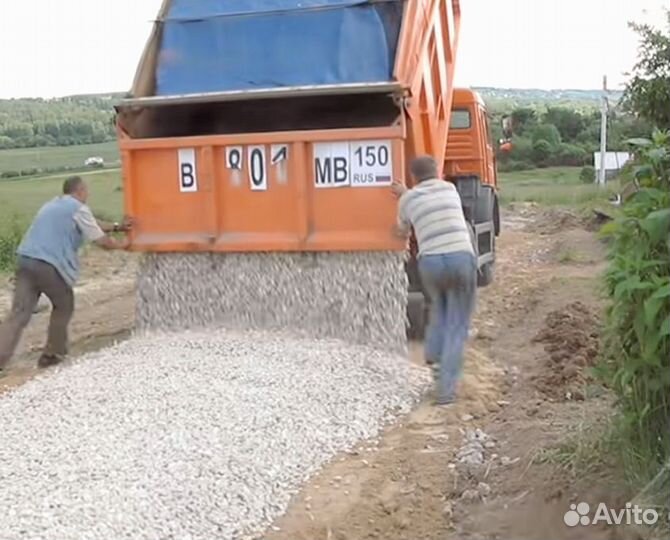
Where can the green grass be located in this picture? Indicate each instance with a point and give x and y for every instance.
(21, 198)
(56, 156)
(558, 186)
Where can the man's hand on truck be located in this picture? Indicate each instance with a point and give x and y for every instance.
(398, 188)
(109, 242)
(125, 225)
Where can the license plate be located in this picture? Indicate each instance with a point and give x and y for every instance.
(355, 164)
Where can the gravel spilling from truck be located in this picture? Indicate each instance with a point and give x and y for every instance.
(359, 297)
(194, 435)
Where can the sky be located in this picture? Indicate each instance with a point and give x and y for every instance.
(61, 47)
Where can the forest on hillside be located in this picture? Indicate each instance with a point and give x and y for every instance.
(562, 135)
(33, 122)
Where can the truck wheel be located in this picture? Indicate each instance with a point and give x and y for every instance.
(485, 204)
(416, 316)
(485, 275)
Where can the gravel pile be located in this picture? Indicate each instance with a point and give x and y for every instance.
(196, 435)
(359, 297)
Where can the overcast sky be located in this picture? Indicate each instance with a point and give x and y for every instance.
(54, 48)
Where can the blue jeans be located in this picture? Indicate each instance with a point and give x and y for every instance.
(450, 280)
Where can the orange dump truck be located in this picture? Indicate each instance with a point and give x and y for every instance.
(279, 125)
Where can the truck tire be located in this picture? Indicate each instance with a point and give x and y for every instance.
(416, 316)
(485, 275)
(485, 205)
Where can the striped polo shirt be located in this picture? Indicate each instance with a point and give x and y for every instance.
(433, 208)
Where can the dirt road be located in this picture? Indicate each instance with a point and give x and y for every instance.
(487, 467)
(481, 469)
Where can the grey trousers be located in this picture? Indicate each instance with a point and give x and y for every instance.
(35, 277)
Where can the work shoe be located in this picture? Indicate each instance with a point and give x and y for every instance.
(444, 400)
(48, 360)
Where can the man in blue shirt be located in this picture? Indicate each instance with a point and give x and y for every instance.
(48, 264)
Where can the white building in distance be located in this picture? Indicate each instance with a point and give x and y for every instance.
(614, 161)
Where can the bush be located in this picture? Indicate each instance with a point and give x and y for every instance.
(10, 174)
(30, 172)
(541, 152)
(588, 174)
(636, 340)
(522, 149)
(9, 241)
(548, 133)
(514, 165)
(571, 155)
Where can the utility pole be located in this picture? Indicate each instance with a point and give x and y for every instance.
(603, 135)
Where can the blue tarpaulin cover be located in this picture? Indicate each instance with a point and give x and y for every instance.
(222, 45)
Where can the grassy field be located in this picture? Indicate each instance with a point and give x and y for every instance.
(56, 156)
(551, 186)
(21, 198)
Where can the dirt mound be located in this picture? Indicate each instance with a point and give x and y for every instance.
(480, 387)
(549, 220)
(554, 220)
(570, 338)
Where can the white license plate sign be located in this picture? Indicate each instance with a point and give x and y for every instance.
(188, 180)
(355, 163)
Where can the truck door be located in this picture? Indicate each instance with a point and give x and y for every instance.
(489, 152)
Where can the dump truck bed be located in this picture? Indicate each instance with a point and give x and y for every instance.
(246, 192)
(279, 125)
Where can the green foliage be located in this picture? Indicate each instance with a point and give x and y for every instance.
(636, 361)
(570, 154)
(522, 150)
(55, 122)
(568, 122)
(648, 91)
(10, 238)
(587, 174)
(513, 165)
(547, 132)
(572, 130)
(523, 120)
(541, 152)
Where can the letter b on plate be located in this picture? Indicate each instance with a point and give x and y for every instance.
(188, 179)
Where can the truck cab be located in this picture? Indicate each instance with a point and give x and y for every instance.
(471, 157)
(470, 163)
(470, 150)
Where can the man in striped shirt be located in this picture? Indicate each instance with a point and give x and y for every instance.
(447, 266)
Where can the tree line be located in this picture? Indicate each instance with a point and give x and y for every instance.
(26, 123)
(564, 135)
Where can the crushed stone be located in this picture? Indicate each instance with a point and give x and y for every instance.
(359, 297)
(190, 435)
